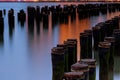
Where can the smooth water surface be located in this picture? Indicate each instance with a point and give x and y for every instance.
(26, 55)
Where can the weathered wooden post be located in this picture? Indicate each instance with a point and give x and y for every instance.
(83, 45)
(89, 50)
(92, 67)
(112, 50)
(81, 67)
(1, 23)
(98, 34)
(86, 44)
(1, 26)
(75, 44)
(104, 50)
(57, 63)
(73, 76)
(71, 51)
(21, 17)
(11, 19)
(65, 56)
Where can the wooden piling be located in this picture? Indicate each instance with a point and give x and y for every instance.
(73, 76)
(57, 63)
(92, 67)
(104, 52)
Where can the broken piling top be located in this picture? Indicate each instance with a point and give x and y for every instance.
(74, 75)
(58, 50)
(104, 44)
(61, 45)
(72, 40)
(70, 43)
(88, 31)
(91, 62)
(109, 39)
(80, 66)
(98, 26)
(84, 34)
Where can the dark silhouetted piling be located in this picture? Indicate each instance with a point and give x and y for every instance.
(1, 13)
(4, 11)
(112, 51)
(98, 34)
(30, 18)
(73, 76)
(11, 19)
(89, 50)
(71, 50)
(116, 35)
(45, 20)
(1, 27)
(65, 56)
(86, 44)
(58, 62)
(22, 17)
(104, 52)
(75, 43)
(92, 67)
(81, 67)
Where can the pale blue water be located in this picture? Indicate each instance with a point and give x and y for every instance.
(26, 56)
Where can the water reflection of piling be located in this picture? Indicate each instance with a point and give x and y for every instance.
(38, 15)
(81, 67)
(73, 12)
(104, 49)
(22, 17)
(58, 63)
(4, 11)
(11, 21)
(1, 27)
(1, 23)
(45, 20)
(92, 67)
(31, 15)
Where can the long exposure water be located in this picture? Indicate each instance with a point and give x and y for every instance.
(26, 55)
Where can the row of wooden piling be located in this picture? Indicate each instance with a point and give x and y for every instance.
(58, 12)
(106, 38)
(65, 65)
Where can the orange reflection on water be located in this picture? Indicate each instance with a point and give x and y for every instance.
(72, 30)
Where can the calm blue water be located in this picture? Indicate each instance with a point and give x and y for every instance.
(26, 55)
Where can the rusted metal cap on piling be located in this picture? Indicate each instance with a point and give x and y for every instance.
(57, 50)
(80, 66)
(91, 62)
(104, 44)
(74, 75)
(109, 39)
